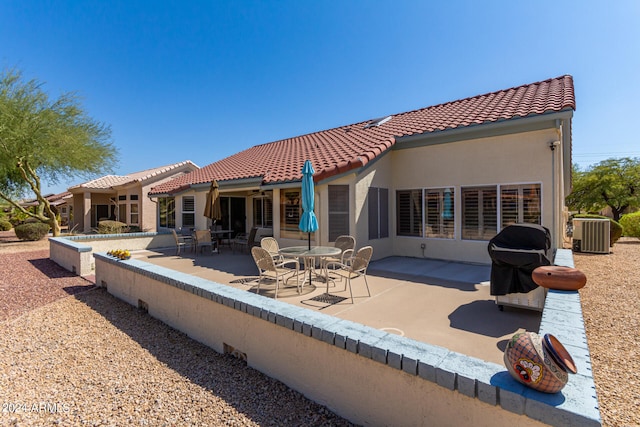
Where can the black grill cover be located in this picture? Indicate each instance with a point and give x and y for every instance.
(515, 252)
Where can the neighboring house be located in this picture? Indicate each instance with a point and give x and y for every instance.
(58, 204)
(437, 182)
(122, 198)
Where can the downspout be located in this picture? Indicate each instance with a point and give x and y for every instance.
(552, 146)
(554, 183)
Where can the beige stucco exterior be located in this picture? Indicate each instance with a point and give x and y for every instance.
(531, 151)
(132, 194)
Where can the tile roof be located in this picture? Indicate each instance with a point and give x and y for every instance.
(344, 148)
(109, 181)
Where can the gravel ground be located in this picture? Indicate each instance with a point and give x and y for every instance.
(91, 359)
(611, 310)
(58, 363)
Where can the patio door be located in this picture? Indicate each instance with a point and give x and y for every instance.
(234, 214)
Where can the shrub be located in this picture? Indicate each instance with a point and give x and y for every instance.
(615, 231)
(112, 227)
(5, 225)
(32, 231)
(631, 224)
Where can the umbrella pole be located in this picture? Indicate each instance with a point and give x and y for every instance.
(309, 245)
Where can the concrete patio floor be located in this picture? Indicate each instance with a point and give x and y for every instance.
(438, 302)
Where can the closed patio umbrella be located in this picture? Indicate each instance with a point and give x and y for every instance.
(212, 205)
(308, 221)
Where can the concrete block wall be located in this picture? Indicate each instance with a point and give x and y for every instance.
(363, 374)
(75, 253)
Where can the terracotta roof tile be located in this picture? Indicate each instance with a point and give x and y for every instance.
(109, 181)
(347, 147)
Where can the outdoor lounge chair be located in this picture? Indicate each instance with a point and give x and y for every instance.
(354, 267)
(269, 269)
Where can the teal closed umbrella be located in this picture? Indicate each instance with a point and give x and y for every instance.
(308, 221)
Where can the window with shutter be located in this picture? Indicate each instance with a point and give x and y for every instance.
(188, 211)
(290, 212)
(338, 211)
(409, 212)
(520, 203)
(439, 208)
(262, 212)
(479, 213)
(378, 209)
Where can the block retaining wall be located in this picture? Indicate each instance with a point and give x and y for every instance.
(363, 374)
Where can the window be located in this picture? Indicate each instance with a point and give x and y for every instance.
(439, 212)
(134, 213)
(133, 197)
(409, 213)
(290, 211)
(338, 211)
(479, 213)
(122, 197)
(263, 212)
(167, 212)
(188, 211)
(520, 203)
(378, 205)
(122, 212)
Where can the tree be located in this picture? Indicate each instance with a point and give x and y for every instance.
(614, 183)
(46, 139)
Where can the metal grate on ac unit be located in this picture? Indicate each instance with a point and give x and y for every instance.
(591, 235)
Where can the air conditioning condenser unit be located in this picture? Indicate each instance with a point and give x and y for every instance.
(591, 235)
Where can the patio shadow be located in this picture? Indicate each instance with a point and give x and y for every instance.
(495, 323)
(432, 272)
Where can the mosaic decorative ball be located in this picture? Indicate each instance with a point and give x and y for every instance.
(541, 363)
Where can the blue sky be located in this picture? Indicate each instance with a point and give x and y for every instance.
(201, 80)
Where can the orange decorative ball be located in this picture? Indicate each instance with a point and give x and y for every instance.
(559, 278)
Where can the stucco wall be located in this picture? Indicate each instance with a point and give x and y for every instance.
(75, 253)
(363, 374)
(509, 159)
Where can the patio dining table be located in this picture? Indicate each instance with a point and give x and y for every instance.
(310, 255)
(219, 236)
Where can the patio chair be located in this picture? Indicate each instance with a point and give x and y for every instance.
(203, 240)
(180, 242)
(186, 234)
(243, 240)
(269, 269)
(346, 245)
(354, 267)
(271, 245)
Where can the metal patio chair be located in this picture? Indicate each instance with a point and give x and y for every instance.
(354, 267)
(269, 269)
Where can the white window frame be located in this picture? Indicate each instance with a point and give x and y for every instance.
(500, 220)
